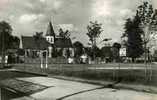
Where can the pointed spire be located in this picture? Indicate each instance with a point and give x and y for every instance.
(50, 31)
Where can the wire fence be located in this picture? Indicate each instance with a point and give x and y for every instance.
(125, 72)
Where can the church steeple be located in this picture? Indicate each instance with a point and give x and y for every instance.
(50, 34)
(50, 30)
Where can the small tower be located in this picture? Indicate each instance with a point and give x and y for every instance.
(50, 34)
(50, 37)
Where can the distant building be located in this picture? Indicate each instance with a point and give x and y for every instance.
(122, 52)
(55, 45)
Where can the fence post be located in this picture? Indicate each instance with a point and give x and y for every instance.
(46, 60)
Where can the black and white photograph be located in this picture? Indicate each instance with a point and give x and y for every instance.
(78, 49)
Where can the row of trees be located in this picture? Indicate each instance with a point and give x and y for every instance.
(109, 52)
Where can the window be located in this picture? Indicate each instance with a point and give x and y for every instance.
(52, 40)
(47, 38)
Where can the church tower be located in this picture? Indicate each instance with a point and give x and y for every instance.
(50, 37)
(50, 34)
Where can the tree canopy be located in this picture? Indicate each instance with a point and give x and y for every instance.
(7, 40)
(94, 31)
(64, 34)
(148, 21)
(79, 48)
(106, 51)
(38, 37)
(140, 30)
(134, 37)
(115, 51)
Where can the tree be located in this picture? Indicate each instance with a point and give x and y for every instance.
(5, 34)
(115, 51)
(97, 52)
(148, 23)
(15, 42)
(21, 52)
(38, 35)
(79, 48)
(106, 51)
(88, 51)
(148, 18)
(7, 40)
(64, 34)
(94, 31)
(38, 38)
(134, 41)
(155, 55)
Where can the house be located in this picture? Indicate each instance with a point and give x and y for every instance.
(32, 47)
(53, 44)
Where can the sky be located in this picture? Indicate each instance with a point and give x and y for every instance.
(29, 16)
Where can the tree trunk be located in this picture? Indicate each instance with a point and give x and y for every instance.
(94, 51)
(3, 60)
(145, 61)
(145, 53)
(3, 50)
(133, 60)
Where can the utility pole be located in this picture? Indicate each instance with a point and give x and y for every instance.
(1, 47)
(42, 59)
(94, 48)
(146, 32)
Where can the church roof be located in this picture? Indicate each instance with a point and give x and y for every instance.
(29, 42)
(50, 30)
(63, 42)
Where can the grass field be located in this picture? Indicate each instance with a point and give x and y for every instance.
(127, 73)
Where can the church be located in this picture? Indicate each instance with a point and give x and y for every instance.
(53, 44)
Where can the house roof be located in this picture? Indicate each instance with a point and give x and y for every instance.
(29, 42)
(63, 42)
(50, 30)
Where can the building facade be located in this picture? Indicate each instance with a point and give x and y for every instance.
(50, 42)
